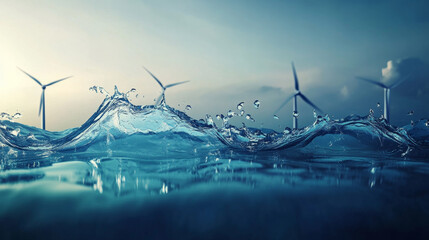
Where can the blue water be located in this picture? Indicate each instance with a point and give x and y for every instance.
(152, 172)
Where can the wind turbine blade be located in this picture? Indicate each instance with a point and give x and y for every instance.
(41, 102)
(37, 81)
(175, 84)
(401, 81)
(156, 79)
(372, 81)
(310, 103)
(284, 103)
(62, 79)
(295, 76)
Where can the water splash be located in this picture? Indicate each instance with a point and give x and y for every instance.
(119, 125)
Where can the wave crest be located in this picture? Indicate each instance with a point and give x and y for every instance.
(118, 120)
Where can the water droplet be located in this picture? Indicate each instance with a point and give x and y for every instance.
(231, 114)
(287, 130)
(103, 91)
(17, 115)
(188, 107)
(98, 89)
(295, 114)
(209, 119)
(242, 113)
(427, 123)
(378, 104)
(276, 117)
(314, 113)
(9, 117)
(411, 112)
(240, 106)
(225, 119)
(256, 103)
(94, 88)
(218, 117)
(412, 123)
(371, 112)
(131, 91)
(249, 117)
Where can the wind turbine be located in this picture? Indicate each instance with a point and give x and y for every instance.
(295, 100)
(161, 98)
(42, 98)
(387, 89)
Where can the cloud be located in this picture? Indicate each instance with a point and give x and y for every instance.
(416, 86)
(397, 70)
(390, 73)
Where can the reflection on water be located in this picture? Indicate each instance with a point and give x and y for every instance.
(121, 175)
(263, 196)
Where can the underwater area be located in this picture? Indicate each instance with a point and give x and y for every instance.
(153, 172)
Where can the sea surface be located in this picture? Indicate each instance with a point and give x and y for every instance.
(152, 172)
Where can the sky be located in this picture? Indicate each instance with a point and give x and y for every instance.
(230, 51)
